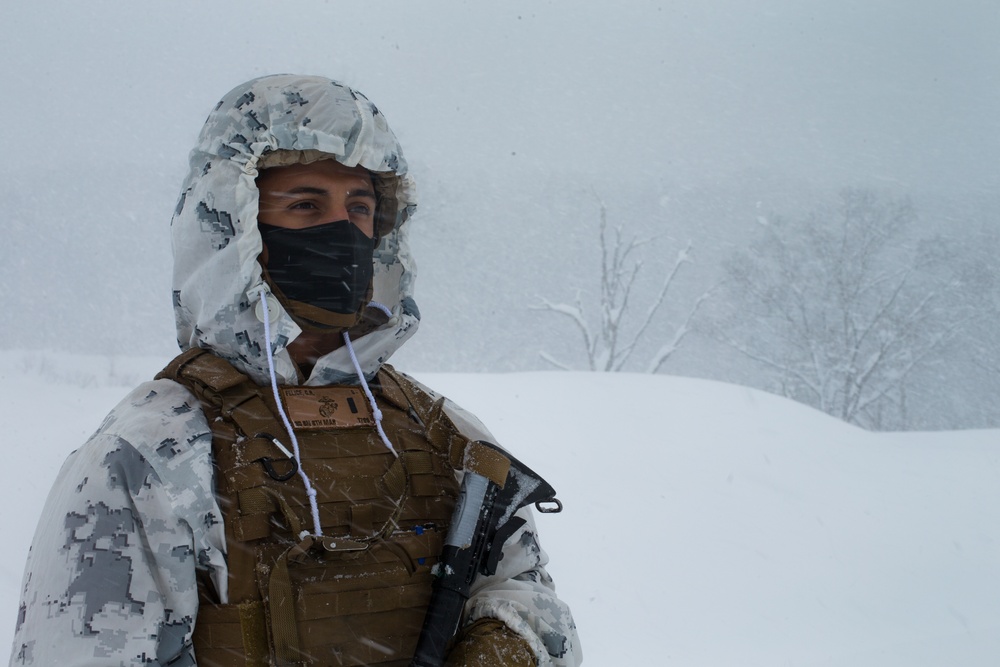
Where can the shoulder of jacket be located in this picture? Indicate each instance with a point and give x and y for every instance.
(162, 421)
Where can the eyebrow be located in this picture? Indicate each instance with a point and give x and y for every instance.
(361, 193)
(311, 190)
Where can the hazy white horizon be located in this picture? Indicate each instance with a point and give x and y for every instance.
(690, 120)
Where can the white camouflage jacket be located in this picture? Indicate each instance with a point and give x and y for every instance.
(132, 517)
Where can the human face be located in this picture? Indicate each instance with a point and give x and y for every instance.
(305, 195)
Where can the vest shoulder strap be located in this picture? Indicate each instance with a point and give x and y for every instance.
(205, 368)
(224, 390)
(429, 411)
(464, 449)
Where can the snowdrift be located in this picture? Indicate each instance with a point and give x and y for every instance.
(704, 523)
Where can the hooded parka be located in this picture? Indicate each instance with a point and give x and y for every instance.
(133, 522)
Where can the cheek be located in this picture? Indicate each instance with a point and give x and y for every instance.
(275, 220)
(266, 213)
(367, 226)
(279, 217)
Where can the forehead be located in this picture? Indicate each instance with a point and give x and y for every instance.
(323, 171)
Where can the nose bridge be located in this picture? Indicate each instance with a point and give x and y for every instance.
(338, 212)
(337, 205)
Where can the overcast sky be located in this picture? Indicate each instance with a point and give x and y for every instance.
(898, 91)
(692, 120)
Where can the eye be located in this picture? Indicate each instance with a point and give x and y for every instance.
(303, 205)
(361, 209)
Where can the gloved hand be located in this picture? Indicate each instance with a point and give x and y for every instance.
(490, 643)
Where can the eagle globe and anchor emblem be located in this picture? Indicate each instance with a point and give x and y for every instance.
(327, 407)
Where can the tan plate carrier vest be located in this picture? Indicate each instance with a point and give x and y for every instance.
(357, 595)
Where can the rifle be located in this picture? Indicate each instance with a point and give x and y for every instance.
(482, 523)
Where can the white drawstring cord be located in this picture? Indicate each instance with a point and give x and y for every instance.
(384, 308)
(368, 392)
(310, 491)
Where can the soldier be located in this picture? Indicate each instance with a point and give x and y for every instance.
(279, 494)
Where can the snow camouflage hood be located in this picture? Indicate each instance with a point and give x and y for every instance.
(218, 284)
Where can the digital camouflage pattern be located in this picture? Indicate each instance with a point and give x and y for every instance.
(217, 278)
(132, 519)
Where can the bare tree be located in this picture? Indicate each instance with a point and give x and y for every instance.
(607, 345)
(829, 305)
(965, 391)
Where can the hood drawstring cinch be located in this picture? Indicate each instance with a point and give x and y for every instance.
(310, 491)
(376, 412)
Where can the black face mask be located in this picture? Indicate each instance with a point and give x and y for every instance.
(328, 266)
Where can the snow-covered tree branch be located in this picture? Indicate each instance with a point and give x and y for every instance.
(831, 307)
(607, 327)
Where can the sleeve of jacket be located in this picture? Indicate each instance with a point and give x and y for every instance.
(522, 595)
(110, 578)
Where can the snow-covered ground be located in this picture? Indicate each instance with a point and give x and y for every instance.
(704, 523)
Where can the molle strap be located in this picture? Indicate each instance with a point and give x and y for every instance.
(402, 391)
(223, 632)
(203, 367)
(260, 447)
(233, 393)
(488, 462)
(440, 431)
(362, 519)
(253, 415)
(172, 370)
(253, 623)
(257, 503)
(281, 605)
(443, 434)
(406, 464)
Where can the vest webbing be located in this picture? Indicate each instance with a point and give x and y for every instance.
(357, 595)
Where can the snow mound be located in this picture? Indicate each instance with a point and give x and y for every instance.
(704, 523)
